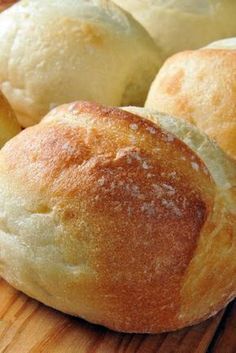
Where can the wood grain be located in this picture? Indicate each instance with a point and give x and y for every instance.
(27, 326)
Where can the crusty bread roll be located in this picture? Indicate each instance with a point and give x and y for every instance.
(56, 51)
(114, 218)
(199, 86)
(177, 25)
(9, 126)
(4, 4)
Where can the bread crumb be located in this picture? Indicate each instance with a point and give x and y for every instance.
(151, 129)
(101, 181)
(195, 166)
(145, 165)
(170, 205)
(168, 137)
(133, 126)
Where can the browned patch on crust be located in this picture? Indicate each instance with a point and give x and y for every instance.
(184, 106)
(216, 99)
(85, 31)
(174, 84)
(141, 192)
(148, 233)
(92, 34)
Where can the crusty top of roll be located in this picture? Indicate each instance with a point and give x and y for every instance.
(199, 86)
(9, 126)
(111, 217)
(178, 25)
(57, 51)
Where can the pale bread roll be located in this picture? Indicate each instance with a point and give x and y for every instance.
(200, 86)
(9, 126)
(56, 51)
(177, 25)
(111, 217)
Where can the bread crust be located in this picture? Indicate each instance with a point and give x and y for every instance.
(103, 216)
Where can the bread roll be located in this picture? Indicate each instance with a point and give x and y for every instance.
(114, 218)
(177, 25)
(9, 126)
(56, 51)
(199, 86)
(4, 4)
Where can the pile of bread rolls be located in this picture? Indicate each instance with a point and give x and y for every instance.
(124, 216)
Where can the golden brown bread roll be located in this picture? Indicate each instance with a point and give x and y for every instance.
(199, 86)
(177, 25)
(57, 51)
(111, 217)
(9, 126)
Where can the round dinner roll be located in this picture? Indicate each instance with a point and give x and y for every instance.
(200, 86)
(9, 126)
(53, 52)
(125, 221)
(177, 25)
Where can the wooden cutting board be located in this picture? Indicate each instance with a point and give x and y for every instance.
(27, 326)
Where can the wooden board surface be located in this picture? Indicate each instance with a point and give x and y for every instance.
(27, 326)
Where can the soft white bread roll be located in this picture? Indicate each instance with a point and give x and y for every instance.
(114, 218)
(4, 4)
(56, 51)
(177, 25)
(199, 86)
(9, 126)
